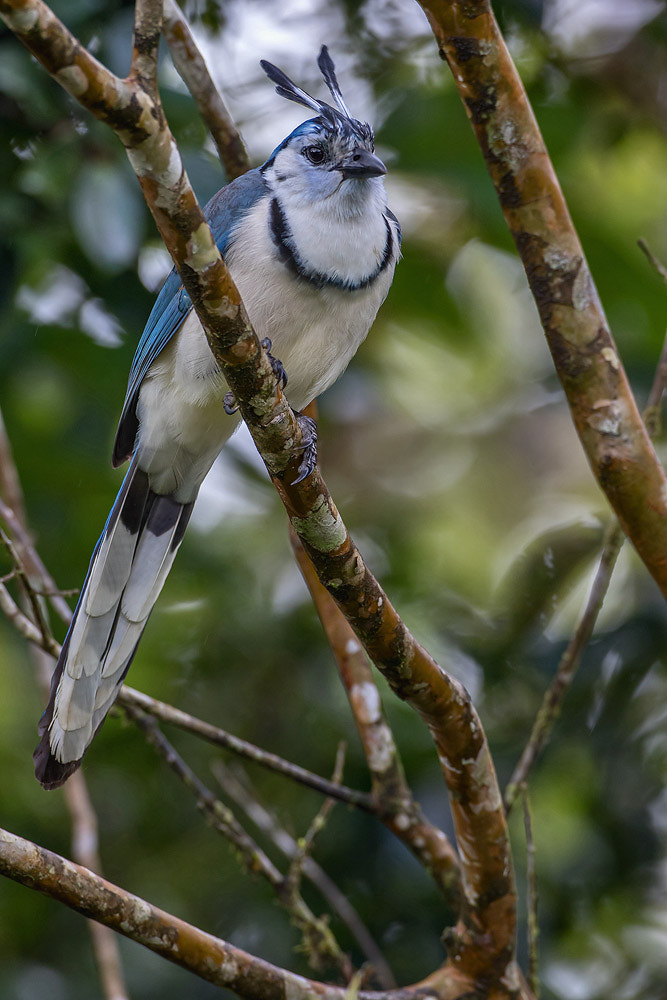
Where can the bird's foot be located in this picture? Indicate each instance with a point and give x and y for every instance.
(277, 366)
(229, 403)
(308, 446)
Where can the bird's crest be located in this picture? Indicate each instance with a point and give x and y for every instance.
(338, 119)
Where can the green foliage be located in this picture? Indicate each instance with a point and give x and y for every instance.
(450, 452)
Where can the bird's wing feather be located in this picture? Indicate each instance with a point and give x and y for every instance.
(223, 213)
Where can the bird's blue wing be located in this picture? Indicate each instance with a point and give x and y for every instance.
(223, 212)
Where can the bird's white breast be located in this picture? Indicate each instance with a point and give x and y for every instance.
(314, 333)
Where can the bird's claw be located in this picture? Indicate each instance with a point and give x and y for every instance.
(277, 366)
(229, 403)
(308, 446)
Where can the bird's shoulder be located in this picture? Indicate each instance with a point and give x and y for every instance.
(223, 212)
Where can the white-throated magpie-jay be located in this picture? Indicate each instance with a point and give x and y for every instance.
(312, 246)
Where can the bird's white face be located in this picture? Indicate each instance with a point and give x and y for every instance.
(317, 165)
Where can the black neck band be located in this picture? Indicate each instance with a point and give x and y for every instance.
(289, 255)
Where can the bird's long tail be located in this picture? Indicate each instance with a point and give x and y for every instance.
(127, 571)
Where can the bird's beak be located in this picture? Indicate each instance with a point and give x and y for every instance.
(361, 163)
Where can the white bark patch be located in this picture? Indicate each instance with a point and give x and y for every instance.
(142, 910)
(202, 251)
(297, 988)
(607, 417)
(381, 755)
(556, 259)
(610, 356)
(229, 967)
(321, 528)
(73, 79)
(365, 700)
(582, 289)
(484, 777)
(21, 20)
(511, 978)
(402, 821)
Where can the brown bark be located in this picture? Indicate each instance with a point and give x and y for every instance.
(482, 947)
(586, 359)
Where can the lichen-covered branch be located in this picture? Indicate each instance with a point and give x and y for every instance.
(396, 805)
(207, 956)
(236, 786)
(482, 947)
(586, 359)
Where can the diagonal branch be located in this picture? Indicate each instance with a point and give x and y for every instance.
(569, 662)
(397, 806)
(209, 957)
(603, 408)
(236, 786)
(145, 44)
(485, 941)
(131, 699)
(318, 938)
(191, 66)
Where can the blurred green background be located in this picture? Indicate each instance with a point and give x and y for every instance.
(448, 448)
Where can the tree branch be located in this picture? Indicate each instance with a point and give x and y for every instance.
(82, 815)
(397, 807)
(483, 946)
(192, 68)
(569, 662)
(129, 698)
(236, 786)
(209, 957)
(586, 359)
(145, 44)
(319, 941)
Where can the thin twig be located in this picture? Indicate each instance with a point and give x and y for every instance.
(656, 264)
(319, 940)
(237, 786)
(567, 667)
(192, 67)
(531, 901)
(28, 590)
(41, 580)
(130, 698)
(31, 570)
(10, 484)
(555, 694)
(85, 852)
(24, 625)
(221, 818)
(306, 843)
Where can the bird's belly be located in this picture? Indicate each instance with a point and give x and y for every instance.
(314, 332)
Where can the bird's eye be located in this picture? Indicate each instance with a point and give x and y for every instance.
(314, 153)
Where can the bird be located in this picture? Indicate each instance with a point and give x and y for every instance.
(312, 245)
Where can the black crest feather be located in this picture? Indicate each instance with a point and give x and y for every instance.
(339, 119)
(325, 63)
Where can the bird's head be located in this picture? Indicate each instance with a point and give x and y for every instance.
(332, 155)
